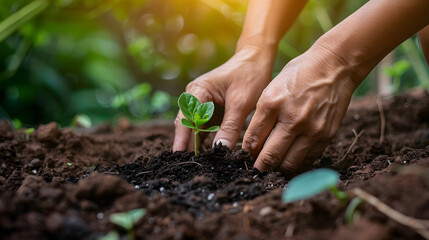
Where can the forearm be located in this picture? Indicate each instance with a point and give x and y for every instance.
(424, 42)
(369, 34)
(267, 21)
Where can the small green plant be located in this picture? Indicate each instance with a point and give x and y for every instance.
(196, 114)
(81, 120)
(317, 181)
(396, 71)
(69, 164)
(28, 131)
(17, 124)
(127, 220)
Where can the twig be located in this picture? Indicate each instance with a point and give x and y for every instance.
(141, 173)
(245, 164)
(419, 225)
(382, 119)
(189, 162)
(289, 230)
(353, 143)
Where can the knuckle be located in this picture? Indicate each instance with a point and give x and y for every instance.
(288, 167)
(270, 160)
(251, 142)
(177, 121)
(231, 125)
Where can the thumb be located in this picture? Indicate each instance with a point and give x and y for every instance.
(231, 127)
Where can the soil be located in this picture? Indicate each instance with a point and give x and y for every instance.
(64, 183)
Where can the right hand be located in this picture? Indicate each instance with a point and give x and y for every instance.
(236, 85)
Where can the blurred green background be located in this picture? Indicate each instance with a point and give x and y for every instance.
(132, 58)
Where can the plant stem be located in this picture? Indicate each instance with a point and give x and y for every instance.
(196, 142)
(342, 196)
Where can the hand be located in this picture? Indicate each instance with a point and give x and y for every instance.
(236, 85)
(299, 111)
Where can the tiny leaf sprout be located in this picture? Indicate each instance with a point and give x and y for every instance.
(312, 183)
(196, 114)
(396, 71)
(128, 219)
(69, 164)
(81, 120)
(28, 131)
(112, 235)
(317, 181)
(16, 123)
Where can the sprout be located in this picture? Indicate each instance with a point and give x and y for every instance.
(196, 114)
(316, 181)
(128, 219)
(81, 120)
(28, 131)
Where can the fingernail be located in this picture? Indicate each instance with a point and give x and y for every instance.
(224, 142)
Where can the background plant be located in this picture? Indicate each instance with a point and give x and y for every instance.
(66, 57)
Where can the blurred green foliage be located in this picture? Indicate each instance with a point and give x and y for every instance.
(114, 58)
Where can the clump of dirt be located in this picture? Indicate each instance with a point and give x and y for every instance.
(64, 184)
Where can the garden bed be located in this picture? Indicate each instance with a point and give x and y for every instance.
(63, 184)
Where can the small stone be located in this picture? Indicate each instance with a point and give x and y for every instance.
(210, 197)
(235, 204)
(100, 215)
(266, 210)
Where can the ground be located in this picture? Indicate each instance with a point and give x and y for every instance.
(63, 184)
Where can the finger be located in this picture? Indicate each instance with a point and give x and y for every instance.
(232, 125)
(275, 147)
(182, 134)
(259, 129)
(294, 158)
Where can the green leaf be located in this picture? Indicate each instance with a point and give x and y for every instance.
(81, 120)
(187, 123)
(351, 209)
(210, 129)
(198, 120)
(112, 235)
(188, 104)
(29, 130)
(17, 124)
(16, 20)
(310, 184)
(205, 110)
(127, 219)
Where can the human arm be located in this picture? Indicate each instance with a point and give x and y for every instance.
(238, 83)
(424, 42)
(303, 106)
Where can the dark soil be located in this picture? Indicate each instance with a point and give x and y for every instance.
(63, 184)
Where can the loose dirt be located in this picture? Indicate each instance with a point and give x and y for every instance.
(64, 184)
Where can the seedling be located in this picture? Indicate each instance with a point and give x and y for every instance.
(17, 124)
(396, 71)
(28, 131)
(316, 181)
(81, 120)
(127, 220)
(196, 114)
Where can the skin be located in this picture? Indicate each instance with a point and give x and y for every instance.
(301, 109)
(424, 42)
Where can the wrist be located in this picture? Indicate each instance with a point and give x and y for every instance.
(262, 52)
(343, 60)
